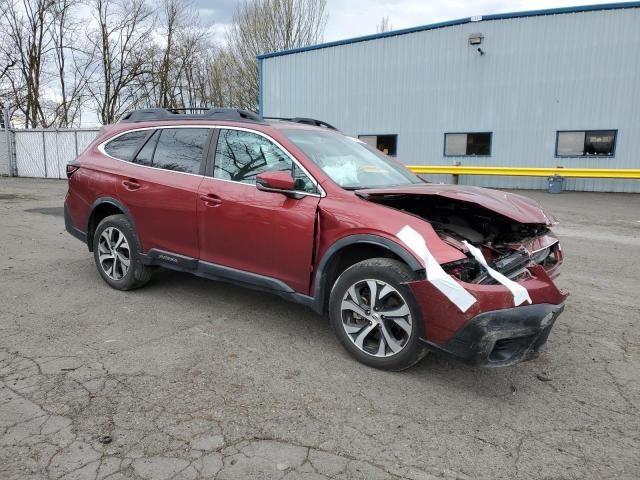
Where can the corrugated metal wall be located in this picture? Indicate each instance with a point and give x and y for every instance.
(45, 153)
(539, 74)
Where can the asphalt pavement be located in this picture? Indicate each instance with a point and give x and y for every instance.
(189, 378)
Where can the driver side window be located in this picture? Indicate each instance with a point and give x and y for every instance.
(241, 156)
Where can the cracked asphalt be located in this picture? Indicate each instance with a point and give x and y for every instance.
(189, 378)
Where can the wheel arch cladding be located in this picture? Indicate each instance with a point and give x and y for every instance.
(350, 250)
(102, 208)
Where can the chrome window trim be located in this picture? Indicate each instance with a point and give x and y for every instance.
(322, 193)
(102, 150)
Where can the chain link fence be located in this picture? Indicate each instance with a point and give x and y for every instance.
(41, 153)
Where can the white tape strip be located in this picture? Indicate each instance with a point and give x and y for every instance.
(435, 274)
(520, 294)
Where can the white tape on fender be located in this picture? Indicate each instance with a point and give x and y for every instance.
(435, 274)
(520, 294)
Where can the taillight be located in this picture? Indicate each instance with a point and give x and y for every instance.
(72, 168)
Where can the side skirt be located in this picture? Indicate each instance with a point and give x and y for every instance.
(212, 271)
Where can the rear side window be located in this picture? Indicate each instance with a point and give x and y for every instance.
(181, 149)
(125, 145)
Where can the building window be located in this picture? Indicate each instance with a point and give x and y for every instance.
(387, 144)
(600, 143)
(467, 144)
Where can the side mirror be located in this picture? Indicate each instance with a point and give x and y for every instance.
(276, 181)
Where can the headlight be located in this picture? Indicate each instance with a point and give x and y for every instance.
(540, 255)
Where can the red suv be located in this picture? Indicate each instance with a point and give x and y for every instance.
(293, 207)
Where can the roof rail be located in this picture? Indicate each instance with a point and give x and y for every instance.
(306, 121)
(162, 114)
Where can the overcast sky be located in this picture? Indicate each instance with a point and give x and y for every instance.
(353, 18)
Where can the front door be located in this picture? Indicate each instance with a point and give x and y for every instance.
(244, 228)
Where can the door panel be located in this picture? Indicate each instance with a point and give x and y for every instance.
(163, 199)
(260, 232)
(163, 206)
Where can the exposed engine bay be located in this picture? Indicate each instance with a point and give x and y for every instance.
(508, 246)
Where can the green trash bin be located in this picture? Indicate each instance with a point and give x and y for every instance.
(555, 184)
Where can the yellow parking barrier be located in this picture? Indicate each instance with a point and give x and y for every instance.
(628, 173)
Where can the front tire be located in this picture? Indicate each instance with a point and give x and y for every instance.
(115, 251)
(375, 316)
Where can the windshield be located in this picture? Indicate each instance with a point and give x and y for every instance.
(350, 163)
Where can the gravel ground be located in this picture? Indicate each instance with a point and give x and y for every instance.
(189, 378)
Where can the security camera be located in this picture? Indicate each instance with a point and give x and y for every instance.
(480, 51)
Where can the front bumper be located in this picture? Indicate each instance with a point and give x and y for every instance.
(502, 337)
(492, 332)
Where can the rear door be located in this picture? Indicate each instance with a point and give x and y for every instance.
(242, 227)
(161, 188)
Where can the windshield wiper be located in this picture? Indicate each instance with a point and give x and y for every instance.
(368, 187)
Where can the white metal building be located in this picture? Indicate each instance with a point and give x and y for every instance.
(544, 88)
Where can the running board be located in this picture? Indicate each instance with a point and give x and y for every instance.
(170, 260)
(212, 271)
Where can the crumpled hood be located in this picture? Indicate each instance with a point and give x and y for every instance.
(511, 205)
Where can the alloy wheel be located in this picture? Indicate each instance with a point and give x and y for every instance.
(114, 254)
(376, 318)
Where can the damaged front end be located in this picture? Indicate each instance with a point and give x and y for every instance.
(507, 250)
(507, 245)
(511, 231)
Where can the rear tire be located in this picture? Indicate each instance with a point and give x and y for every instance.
(115, 251)
(380, 330)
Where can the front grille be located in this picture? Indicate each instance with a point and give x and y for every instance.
(511, 265)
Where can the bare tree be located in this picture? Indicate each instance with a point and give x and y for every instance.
(70, 65)
(195, 56)
(187, 42)
(266, 26)
(384, 25)
(26, 23)
(174, 15)
(219, 78)
(179, 62)
(8, 58)
(55, 63)
(38, 71)
(119, 47)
